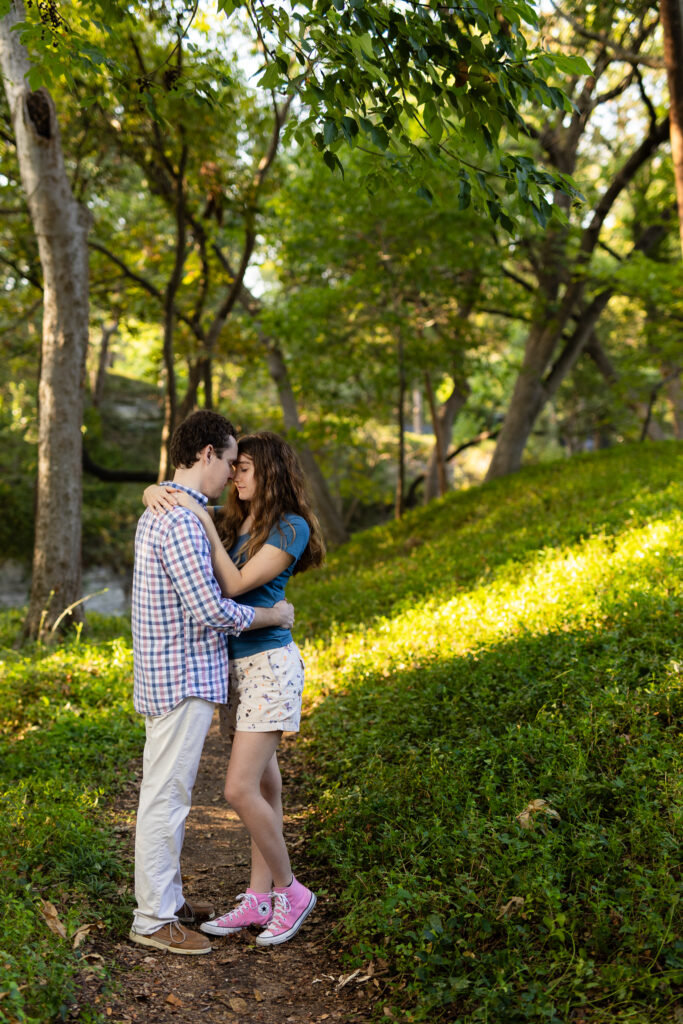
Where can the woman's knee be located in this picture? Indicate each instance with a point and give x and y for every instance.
(236, 792)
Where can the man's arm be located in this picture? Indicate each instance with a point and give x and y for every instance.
(281, 615)
(186, 557)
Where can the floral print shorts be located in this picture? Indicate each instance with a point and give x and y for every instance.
(264, 692)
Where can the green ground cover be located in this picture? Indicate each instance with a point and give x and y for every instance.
(67, 736)
(516, 642)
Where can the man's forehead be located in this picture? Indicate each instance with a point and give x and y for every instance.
(230, 452)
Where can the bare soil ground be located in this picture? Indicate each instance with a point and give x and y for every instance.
(303, 981)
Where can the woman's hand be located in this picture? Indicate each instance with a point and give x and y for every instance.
(160, 499)
(185, 499)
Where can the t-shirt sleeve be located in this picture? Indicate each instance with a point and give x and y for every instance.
(291, 535)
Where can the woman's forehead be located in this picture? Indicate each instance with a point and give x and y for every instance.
(243, 457)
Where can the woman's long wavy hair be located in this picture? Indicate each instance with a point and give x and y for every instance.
(280, 489)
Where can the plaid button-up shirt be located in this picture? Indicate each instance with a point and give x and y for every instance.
(179, 616)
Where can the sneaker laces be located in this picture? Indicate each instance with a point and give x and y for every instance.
(247, 902)
(282, 908)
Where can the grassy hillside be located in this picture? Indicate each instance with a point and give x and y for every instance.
(515, 643)
(518, 642)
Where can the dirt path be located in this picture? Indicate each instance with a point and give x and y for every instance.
(302, 981)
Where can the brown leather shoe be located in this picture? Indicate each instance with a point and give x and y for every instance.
(194, 911)
(175, 939)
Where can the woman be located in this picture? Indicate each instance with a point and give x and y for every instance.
(270, 533)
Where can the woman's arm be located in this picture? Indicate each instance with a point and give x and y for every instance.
(163, 499)
(267, 563)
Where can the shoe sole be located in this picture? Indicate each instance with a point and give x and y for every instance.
(147, 940)
(275, 940)
(209, 928)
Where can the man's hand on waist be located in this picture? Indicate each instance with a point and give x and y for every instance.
(281, 615)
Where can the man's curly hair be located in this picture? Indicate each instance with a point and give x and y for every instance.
(194, 433)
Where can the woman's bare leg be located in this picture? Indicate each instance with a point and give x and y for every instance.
(252, 787)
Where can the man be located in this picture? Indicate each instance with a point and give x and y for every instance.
(181, 672)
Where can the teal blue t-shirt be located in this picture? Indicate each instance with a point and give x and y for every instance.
(290, 534)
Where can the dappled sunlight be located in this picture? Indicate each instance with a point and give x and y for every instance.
(495, 725)
(575, 587)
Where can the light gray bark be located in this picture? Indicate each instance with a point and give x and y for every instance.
(61, 227)
(446, 416)
(330, 518)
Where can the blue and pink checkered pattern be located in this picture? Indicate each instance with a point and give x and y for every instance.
(179, 616)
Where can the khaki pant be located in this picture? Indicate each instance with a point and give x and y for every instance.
(171, 758)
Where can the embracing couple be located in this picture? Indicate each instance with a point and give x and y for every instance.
(195, 647)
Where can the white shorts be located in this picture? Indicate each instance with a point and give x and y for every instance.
(264, 692)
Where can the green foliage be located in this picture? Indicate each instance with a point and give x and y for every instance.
(417, 85)
(513, 643)
(67, 732)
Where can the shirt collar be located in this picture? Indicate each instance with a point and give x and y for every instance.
(197, 495)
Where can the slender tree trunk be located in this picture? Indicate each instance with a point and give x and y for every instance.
(98, 377)
(439, 450)
(330, 518)
(61, 227)
(443, 420)
(401, 425)
(674, 394)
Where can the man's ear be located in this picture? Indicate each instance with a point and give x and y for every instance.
(206, 454)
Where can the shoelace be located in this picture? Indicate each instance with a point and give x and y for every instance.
(283, 906)
(247, 902)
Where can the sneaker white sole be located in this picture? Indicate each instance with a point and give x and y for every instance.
(211, 928)
(274, 940)
(148, 940)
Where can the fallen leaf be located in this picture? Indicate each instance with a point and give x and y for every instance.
(238, 1005)
(258, 996)
(526, 818)
(513, 906)
(80, 935)
(173, 1000)
(51, 917)
(349, 977)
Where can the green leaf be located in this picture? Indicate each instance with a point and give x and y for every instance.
(228, 6)
(571, 64)
(379, 137)
(271, 77)
(330, 132)
(333, 162)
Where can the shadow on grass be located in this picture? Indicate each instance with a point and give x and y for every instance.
(419, 781)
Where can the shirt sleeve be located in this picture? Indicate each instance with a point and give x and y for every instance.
(290, 535)
(186, 557)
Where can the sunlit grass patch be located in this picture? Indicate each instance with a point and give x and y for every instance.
(546, 666)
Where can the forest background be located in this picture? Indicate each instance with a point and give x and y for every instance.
(361, 235)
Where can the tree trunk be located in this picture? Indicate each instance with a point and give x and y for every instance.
(61, 227)
(443, 428)
(401, 425)
(674, 395)
(671, 12)
(330, 518)
(98, 377)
